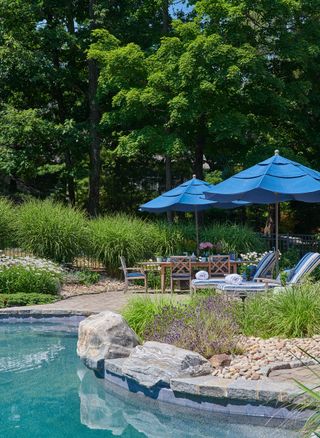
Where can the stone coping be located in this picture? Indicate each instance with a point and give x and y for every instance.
(17, 312)
(264, 398)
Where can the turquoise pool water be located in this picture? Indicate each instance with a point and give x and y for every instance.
(46, 392)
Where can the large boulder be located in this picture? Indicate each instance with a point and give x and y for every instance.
(104, 336)
(155, 363)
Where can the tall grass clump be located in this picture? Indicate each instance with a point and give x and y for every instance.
(7, 215)
(233, 237)
(291, 313)
(141, 311)
(128, 236)
(51, 230)
(226, 237)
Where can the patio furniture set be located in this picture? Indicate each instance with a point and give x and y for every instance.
(219, 268)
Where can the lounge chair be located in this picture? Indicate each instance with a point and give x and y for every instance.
(131, 274)
(264, 269)
(304, 267)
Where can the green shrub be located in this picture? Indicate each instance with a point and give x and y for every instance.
(141, 311)
(7, 215)
(122, 235)
(84, 277)
(22, 299)
(291, 313)
(51, 230)
(23, 279)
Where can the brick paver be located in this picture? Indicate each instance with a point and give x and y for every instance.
(113, 300)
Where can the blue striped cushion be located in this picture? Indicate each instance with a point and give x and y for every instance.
(311, 261)
(208, 282)
(246, 285)
(135, 274)
(265, 264)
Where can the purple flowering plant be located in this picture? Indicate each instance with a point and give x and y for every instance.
(206, 325)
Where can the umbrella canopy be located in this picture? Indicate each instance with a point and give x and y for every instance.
(273, 180)
(270, 182)
(188, 196)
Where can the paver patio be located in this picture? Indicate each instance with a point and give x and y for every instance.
(112, 300)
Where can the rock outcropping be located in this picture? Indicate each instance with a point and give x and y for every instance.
(104, 336)
(155, 363)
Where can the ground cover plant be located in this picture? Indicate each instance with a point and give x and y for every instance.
(27, 279)
(293, 312)
(25, 299)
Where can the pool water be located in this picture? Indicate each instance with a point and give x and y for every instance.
(45, 391)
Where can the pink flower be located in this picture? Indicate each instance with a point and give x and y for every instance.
(205, 245)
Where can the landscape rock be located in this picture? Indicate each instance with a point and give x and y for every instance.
(156, 363)
(220, 360)
(104, 336)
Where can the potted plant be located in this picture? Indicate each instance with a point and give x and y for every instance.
(158, 257)
(205, 248)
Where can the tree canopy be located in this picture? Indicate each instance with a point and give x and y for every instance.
(104, 104)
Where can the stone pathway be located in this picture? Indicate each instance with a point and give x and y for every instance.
(86, 304)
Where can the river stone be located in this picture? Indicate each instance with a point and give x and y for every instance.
(104, 336)
(155, 363)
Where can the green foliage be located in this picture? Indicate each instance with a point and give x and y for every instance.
(293, 312)
(25, 279)
(51, 230)
(228, 237)
(141, 311)
(121, 235)
(25, 299)
(84, 277)
(7, 214)
(289, 258)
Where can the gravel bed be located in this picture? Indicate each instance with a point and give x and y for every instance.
(106, 284)
(260, 356)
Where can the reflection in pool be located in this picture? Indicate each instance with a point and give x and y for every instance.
(46, 391)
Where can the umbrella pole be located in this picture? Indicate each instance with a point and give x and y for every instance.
(277, 235)
(197, 229)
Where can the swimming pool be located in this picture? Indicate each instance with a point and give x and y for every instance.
(45, 391)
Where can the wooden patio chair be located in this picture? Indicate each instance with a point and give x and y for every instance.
(180, 270)
(219, 266)
(131, 274)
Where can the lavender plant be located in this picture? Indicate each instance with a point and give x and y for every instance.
(207, 326)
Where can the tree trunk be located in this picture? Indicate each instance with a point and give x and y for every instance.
(199, 150)
(168, 181)
(165, 17)
(94, 119)
(165, 31)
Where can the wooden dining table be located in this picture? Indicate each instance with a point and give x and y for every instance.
(162, 268)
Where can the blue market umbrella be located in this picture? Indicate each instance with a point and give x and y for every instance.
(272, 181)
(188, 196)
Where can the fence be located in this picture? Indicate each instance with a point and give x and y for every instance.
(302, 242)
